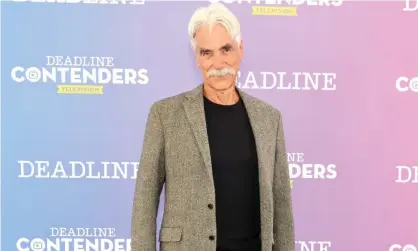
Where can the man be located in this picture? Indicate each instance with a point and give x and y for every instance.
(221, 155)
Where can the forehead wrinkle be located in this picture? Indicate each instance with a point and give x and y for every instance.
(219, 48)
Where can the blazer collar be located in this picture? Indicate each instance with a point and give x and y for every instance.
(197, 95)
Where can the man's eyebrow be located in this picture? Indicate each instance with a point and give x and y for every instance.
(226, 46)
(204, 50)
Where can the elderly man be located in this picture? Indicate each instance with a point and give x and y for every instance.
(221, 155)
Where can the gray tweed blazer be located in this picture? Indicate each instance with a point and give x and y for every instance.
(176, 155)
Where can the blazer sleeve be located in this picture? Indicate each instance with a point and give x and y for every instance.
(149, 183)
(283, 226)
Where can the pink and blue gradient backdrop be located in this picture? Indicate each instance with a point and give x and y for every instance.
(366, 127)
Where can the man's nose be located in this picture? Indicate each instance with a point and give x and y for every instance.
(218, 62)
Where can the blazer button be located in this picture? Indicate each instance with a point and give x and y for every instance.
(211, 237)
(210, 206)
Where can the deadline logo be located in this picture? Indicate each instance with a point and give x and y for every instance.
(283, 81)
(280, 7)
(408, 6)
(76, 169)
(79, 74)
(313, 245)
(71, 239)
(407, 174)
(298, 169)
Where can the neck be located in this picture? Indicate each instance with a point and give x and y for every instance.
(225, 97)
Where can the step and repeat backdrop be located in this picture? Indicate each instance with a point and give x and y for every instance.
(78, 78)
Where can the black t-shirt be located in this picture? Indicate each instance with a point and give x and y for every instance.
(235, 173)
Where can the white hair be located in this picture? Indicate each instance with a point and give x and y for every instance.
(215, 13)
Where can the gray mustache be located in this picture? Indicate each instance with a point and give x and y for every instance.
(220, 72)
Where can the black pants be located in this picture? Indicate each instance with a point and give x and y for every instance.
(257, 248)
(244, 244)
(224, 249)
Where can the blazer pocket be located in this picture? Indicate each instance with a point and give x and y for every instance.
(170, 234)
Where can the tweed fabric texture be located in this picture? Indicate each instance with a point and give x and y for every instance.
(175, 155)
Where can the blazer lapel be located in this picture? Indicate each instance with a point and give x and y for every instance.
(195, 113)
(256, 121)
(255, 115)
(193, 105)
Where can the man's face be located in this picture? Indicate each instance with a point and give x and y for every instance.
(218, 56)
